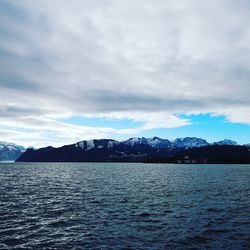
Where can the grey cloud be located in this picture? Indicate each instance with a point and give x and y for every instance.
(91, 57)
(11, 82)
(14, 111)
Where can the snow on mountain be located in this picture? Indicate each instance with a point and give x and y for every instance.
(11, 146)
(157, 142)
(189, 142)
(86, 145)
(136, 140)
(154, 142)
(10, 151)
(135, 149)
(90, 144)
(226, 142)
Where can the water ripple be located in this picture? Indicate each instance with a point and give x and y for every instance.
(124, 206)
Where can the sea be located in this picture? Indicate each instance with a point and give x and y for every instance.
(124, 206)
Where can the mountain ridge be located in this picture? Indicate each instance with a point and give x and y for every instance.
(136, 149)
(187, 142)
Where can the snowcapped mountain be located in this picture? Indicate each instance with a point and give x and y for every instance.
(189, 142)
(91, 144)
(10, 151)
(154, 142)
(137, 149)
(226, 142)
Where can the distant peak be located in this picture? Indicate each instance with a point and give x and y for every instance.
(226, 142)
(190, 142)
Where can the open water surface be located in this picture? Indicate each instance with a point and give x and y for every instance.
(124, 206)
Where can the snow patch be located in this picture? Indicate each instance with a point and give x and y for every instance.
(112, 143)
(85, 145)
(90, 144)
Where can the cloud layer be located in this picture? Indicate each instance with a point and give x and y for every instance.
(144, 60)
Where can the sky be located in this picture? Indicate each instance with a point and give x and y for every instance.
(89, 69)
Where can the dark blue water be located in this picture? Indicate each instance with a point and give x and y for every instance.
(124, 206)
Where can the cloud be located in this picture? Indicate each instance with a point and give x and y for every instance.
(143, 60)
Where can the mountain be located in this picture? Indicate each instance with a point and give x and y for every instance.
(10, 151)
(189, 142)
(94, 144)
(107, 150)
(227, 154)
(226, 142)
(154, 142)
